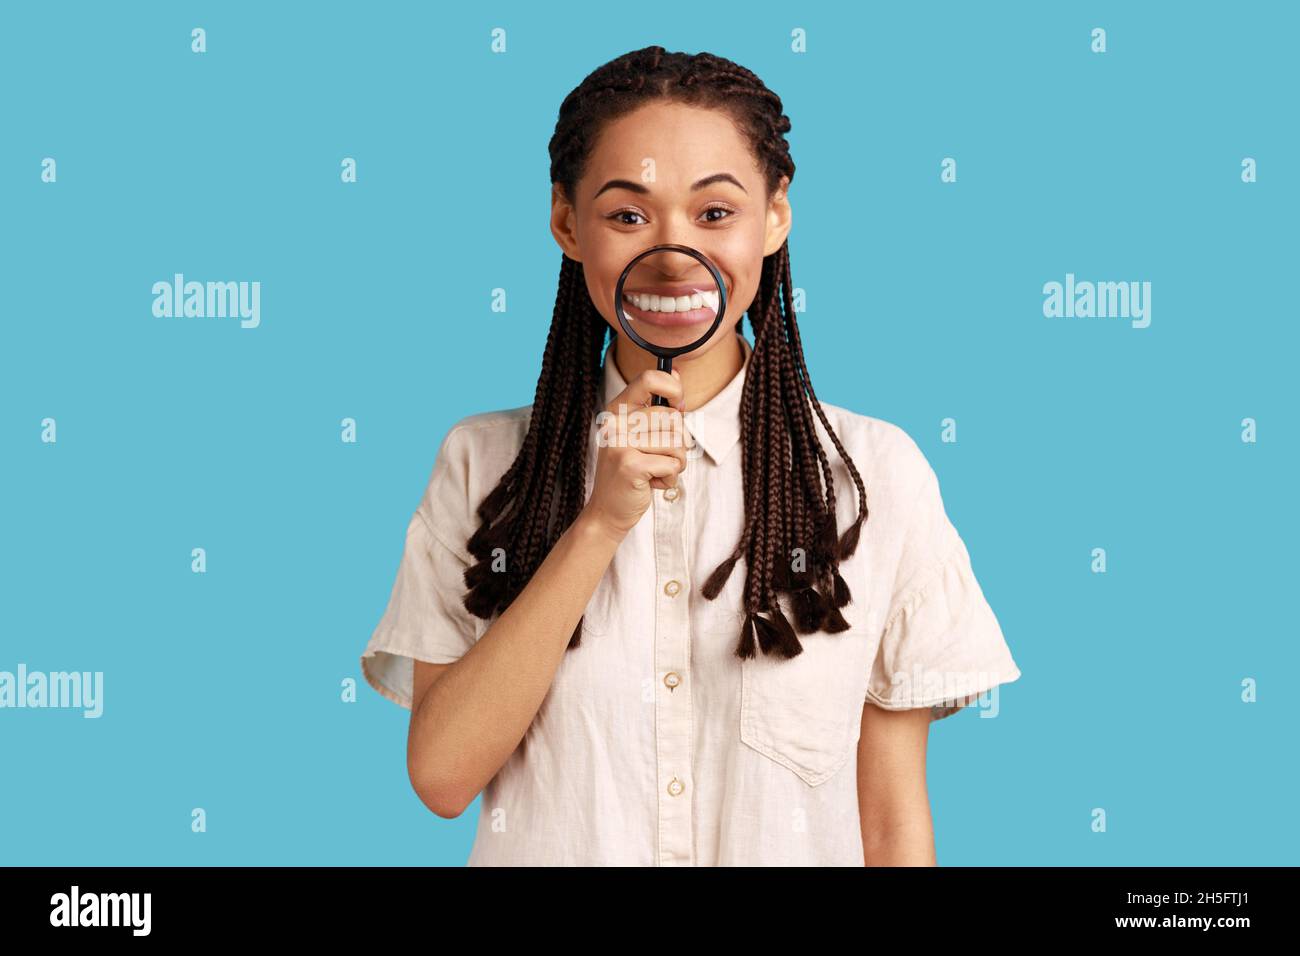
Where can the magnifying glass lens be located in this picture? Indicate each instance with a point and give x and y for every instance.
(670, 299)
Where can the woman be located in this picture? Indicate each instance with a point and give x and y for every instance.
(691, 650)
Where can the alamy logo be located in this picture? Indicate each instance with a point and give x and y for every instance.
(102, 909)
(84, 690)
(198, 300)
(1103, 300)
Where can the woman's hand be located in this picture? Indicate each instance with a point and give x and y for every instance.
(642, 447)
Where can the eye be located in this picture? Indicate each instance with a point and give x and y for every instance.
(617, 216)
(624, 212)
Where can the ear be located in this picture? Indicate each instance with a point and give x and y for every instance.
(564, 223)
(778, 218)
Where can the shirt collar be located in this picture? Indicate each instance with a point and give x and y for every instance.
(715, 425)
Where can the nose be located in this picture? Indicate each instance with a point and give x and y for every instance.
(674, 265)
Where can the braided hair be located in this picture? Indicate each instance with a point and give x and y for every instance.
(787, 505)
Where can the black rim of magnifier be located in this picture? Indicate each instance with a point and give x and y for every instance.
(666, 355)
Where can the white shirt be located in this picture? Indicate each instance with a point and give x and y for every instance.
(655, 744)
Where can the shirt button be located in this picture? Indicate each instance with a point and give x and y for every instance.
(672, 679)
(671, 588)
(675, 786)
(670, 494)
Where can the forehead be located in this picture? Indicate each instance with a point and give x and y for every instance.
(684, 142)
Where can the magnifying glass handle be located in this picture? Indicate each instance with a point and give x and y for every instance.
(664, 365)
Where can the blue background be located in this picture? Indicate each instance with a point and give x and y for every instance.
(924, 300)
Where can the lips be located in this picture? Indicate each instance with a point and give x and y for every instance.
(665, 305)
(683, 288)
(668, 319)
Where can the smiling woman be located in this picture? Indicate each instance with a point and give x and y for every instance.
(697, 183)
(644, 663)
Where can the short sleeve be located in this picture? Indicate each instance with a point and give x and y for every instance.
(942, 645)
(426, 618)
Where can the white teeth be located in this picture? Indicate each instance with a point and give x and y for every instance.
(681, 303)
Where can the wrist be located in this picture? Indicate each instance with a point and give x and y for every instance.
(591, 527)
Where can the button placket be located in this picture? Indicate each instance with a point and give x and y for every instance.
(672, 710)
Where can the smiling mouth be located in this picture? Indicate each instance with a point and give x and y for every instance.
(686, 308)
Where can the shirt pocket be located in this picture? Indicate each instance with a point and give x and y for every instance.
(805, 712)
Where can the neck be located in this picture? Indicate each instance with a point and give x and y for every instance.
(704, 372)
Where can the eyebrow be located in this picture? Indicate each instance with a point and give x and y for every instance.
(639, 188)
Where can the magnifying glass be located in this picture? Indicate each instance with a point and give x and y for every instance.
(669, 300)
